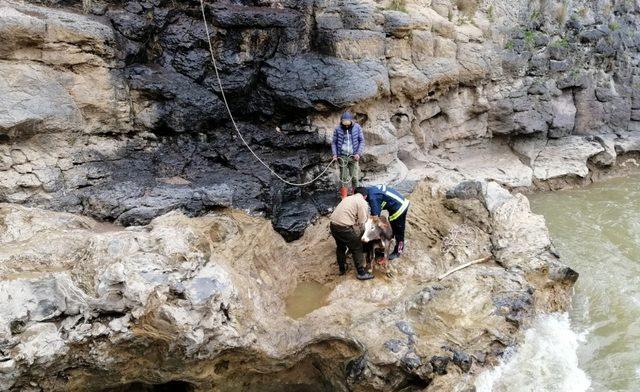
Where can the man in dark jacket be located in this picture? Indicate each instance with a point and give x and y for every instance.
(347, 148)
(382, 197)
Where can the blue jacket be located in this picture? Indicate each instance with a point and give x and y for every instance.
(357, 139)
(382, 197)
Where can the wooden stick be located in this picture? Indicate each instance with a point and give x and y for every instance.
(465, 265)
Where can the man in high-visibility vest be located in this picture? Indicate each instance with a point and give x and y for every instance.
(382, 197)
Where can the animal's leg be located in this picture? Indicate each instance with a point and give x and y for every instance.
(387, 248)
(372, 258)
(368, 250)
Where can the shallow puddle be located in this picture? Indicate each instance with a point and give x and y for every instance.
(307, 297)
(106, 227)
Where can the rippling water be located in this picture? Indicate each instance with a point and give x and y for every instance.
(597, 231)
(546, 361)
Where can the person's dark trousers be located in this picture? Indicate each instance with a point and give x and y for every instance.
(346, 237)
(398, 225)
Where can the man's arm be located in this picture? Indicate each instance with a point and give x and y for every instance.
(360, 141)
(334, 144)
(363, 212)
(374, 202)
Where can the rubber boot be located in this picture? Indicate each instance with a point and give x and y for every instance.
(342, 269)
(397, 252)
(363, 275)
(343, 192)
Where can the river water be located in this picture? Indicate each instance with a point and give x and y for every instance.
(596, 347)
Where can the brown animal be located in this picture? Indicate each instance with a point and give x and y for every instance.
(377, 235)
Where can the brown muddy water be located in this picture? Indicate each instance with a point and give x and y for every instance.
(596, 345)
(106, 227)
(306, 297)
(597, 232)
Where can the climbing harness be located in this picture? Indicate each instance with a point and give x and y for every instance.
(233, 121)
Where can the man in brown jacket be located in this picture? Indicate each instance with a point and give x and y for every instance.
(347, 223)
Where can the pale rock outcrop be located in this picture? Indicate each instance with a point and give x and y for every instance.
(199, 303)
(40, 94)
(565, 157)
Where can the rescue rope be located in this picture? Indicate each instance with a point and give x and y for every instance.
(343, 162)
(233, 121)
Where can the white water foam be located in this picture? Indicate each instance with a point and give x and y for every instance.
(545, 362)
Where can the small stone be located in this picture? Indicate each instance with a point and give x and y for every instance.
(480, 356)
(495, 196)
(18, 157)
(466, 190)
(411, 361)
(405, 328)
(7, 365)
(439, 364)
(559, 66)
(462, 360)
(394, 345)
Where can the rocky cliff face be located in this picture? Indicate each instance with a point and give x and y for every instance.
(115, 113)
(111, 111)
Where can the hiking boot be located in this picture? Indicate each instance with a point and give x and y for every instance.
(363, 275)
(397, 252)
(342, 271)
(394, 255)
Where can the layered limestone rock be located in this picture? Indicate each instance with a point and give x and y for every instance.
(113, 110)
(199, 303)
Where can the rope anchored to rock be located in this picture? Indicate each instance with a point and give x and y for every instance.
(233, 121)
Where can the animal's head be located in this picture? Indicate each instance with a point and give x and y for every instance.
(376, 228)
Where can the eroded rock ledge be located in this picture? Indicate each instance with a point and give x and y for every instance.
(198, 303)
(114, 113)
